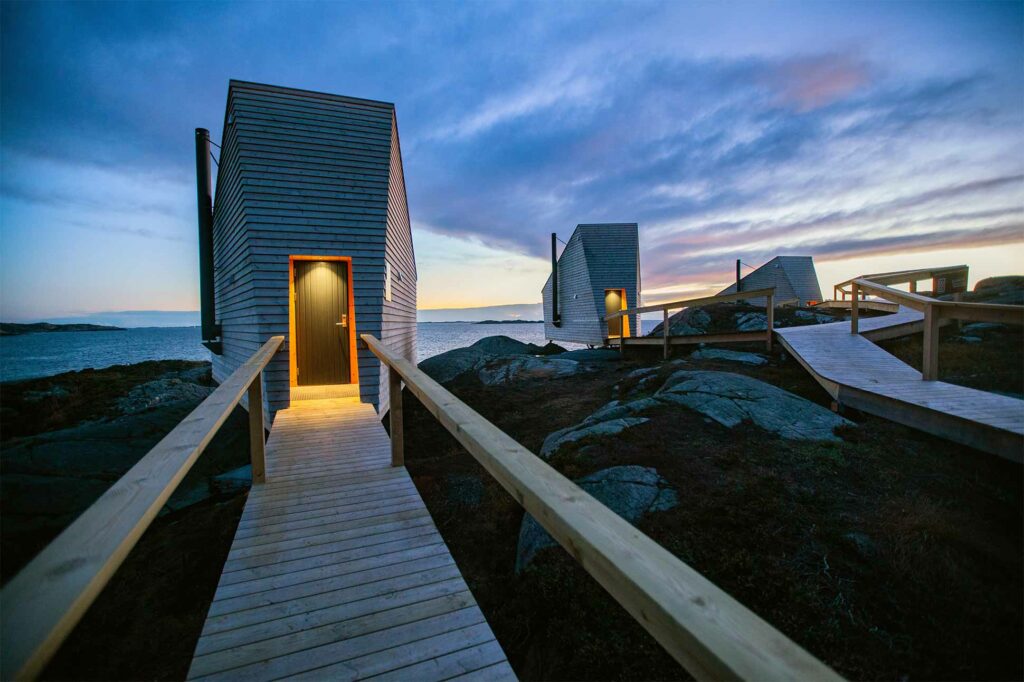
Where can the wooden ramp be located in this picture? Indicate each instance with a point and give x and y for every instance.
(337, 571)
(858, 373)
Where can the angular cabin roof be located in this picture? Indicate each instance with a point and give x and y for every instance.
(792, 277)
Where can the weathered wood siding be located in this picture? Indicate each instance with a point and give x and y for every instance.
(398, 329)
(302, 173)
(596, 257)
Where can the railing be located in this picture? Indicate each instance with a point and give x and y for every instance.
(908, 277)
(708, 632)
(44, 601)
(768, 294)
(935, 311)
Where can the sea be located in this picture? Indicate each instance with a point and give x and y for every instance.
(28, 356)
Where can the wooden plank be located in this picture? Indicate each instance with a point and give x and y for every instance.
(44, 601)
(721, 298)
(334, 564)
(397, 429)
(707, 631)
(256, 433)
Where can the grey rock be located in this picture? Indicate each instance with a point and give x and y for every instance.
(968, 339)
(687, 322)
(629, 491)
(818, 318)
(504, 370)
(751, 322)
(610, 427)
(504, 345)
(454, 363)
(164, 391)
(642, 372)
(862, 544)
(592, 355)
(731, 399)
(730, 356)
(976, 327)
(232, 482)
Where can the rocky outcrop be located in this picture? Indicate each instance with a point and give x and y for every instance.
(727, 398)
(454, 363)
(1007, 290)
(167, 390)
(629, 491)
(751, 322)
(811, 316)
(504, 370)
(687, 322)
(729, 356)
(592, 355)
(731, 399)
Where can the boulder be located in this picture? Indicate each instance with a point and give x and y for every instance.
(729, 356)
(687, 322)
(629, 491)
(968, 339)
(609, 427)
(976, 327)
(454, 363)
(166, 390)
(751, 322)
(232, 482)
(504, 345)
(811, 316)
(592, 355)
(731, 399)
(548, 348)
(503, 370)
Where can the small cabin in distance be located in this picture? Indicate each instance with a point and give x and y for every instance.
(308, 238)
(597, 274)
(793, 277)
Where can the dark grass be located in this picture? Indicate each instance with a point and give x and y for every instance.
(890, 555)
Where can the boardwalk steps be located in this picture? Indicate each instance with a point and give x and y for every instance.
(337, 570)
(860, 374)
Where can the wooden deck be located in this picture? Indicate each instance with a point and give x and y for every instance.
(337, 570)
(859, 373)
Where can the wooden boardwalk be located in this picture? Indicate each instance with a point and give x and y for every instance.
(337, 570)
(857, 372)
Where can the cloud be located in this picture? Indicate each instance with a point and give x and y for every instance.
(815, 81)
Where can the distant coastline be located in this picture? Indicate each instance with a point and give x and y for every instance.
(17, 329)
(510, 322)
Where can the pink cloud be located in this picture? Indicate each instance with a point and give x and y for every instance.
(811, 82)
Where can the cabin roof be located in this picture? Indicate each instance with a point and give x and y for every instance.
(792, 277)
(251, 85)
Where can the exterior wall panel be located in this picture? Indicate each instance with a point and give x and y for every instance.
(305, 173)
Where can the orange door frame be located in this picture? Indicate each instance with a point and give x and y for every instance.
(293, 367)
(624, 330)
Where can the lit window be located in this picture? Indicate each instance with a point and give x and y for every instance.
(387, 281)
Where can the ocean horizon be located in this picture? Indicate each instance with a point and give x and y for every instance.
(30, 356)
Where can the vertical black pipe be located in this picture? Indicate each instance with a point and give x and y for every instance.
(737, 275)
(204, 199)
(556, 318)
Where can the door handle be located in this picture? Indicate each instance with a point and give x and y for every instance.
(343, 323)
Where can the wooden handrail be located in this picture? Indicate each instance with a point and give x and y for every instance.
(901, 276)
(720, 298)
(708, 632)
(935, 311)
(45, 600)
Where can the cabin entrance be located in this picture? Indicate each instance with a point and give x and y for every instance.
(614, 301)
(322, 322)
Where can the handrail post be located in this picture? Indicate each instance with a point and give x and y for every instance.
(395, 412)
(930, 361)
(257, 448)
(913, 286)
(854, 308)
(770, 299)
(664, 331)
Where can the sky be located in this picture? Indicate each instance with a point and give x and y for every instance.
(873, 137)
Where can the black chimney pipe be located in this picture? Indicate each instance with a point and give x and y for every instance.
(204, 196)
(738, 276)
(556, 318)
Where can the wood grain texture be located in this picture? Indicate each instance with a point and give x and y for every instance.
(336, 570)
(856, 371)
(43, 602)
(711, 634)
